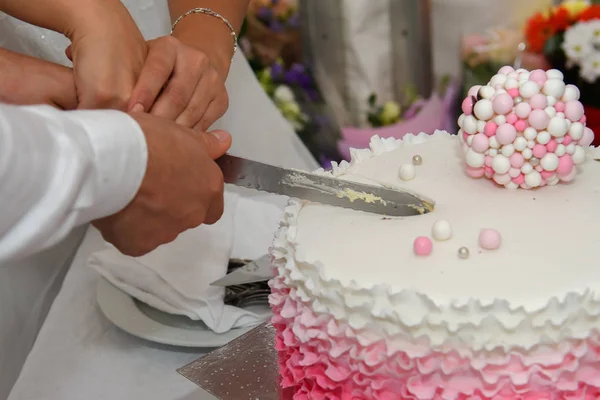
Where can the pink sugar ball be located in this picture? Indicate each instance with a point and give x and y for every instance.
(489, 239)
(502, 104)
(538, 101)
(488, 161)
(538, 76)
(506, 134)
(480, 143)
(583, 119)
(520, 125)
(565, 165)
(588, 137)
(488, 171)
(474, 90)
(507, 69)
(539, 150)
(570, 176)
(548, 174)
(551, 146)
(539, 119)
(567, 140)
(514, 92)
(574, 110)
(490, 129)
(422, 246)
(512, 118)
(519, 180)
(523, 109)
(474, 172)
(517, 160)
(467, 105)
(465, 136)
(560, 107)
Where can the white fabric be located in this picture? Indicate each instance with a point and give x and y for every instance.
(258, 130)
(80, 355)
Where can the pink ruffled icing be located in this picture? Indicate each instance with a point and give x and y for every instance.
(324, 359)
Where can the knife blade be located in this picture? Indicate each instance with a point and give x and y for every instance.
(321, 189)
(258, 270)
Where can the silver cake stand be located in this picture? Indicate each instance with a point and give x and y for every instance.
(245, 369)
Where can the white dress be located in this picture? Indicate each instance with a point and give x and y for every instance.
(27, 288)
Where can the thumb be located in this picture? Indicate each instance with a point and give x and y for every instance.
(69, 52)
(217, 143)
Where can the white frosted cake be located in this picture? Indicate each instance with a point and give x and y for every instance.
(493, 295)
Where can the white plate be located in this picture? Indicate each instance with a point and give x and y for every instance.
(143, 321)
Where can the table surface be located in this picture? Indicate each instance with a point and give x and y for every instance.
(79, 354)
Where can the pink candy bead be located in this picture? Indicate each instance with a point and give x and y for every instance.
(559, 107)
(539, 150)
(551, 146)
(465, 136)
(522, 110)
(506, 134)
(565, 165)
(490, 129)
(512, 118)
(538, 101)
(490, 239)
(422, 246)
(547, 174)
(520, 125)
(474, 172)
(505, 70)
(539, 119)
(514, 92)
(488, 171)
(480, 143)
(488, 161)
(467, 105)
(473, 91)
(502, 104)
(574, 110)
(567, 139)
(519, 180)
(538, 76)
(517, 160)
(587, 138)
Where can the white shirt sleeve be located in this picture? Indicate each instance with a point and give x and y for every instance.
(62, 169)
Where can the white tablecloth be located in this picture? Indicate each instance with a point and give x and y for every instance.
(79, 354)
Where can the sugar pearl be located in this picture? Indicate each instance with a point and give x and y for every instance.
(422, 246)
(492, 152)
(481, 126)
(474, 159)
(500, 164)
(527, 153)
(554, 87)
(494, 142)
(511, 83)
(520, 143)
(530, 144)
(576, 130)
(578, 155)
(508, 150)
(571, 148)
(571, 93)
(554, 74)
(557, 127)
(463, 252)
(533, 179)
(530, 133)
(522, 110)
(550, 162)
(528, 89)
(551, 111)
(560, 151)
(441, 230)
(483, 109)
(489, 239)
(417, 160)
(543, 137)
(461, 119)
(551, 101)
(502, 179)
(470, 125)
(486, 92)
(498, 79)
(574, 110)
(407, 172)
(526, 168)
(500, 119)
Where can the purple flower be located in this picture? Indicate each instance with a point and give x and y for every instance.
(274, 2)
(276, 26)
(265, 14)
(276, 71)
(294, 21)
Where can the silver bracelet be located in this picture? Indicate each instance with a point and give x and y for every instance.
(208, 11)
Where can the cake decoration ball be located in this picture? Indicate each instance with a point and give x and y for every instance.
(407, 172)
(463, 252)
(422, 246)
(546, 128)
(489, 239)
(417, 160)
(441, 230)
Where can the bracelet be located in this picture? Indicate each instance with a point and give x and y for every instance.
(208, 11)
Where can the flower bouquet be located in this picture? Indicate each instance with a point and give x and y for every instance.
(567, 38)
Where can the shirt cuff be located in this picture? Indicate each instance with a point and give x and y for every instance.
(120, 158)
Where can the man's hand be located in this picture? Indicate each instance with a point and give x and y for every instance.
(182, 188)
(26, 80)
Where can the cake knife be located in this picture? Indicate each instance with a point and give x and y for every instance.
(321, 189)
(259, 270)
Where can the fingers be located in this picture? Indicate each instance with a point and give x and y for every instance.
(216, 142)
(215, 110)
(156, 72)
(208, 103)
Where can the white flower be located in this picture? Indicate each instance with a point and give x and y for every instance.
(284, 94)
(590, 68)
(578, 42)
(390, 112)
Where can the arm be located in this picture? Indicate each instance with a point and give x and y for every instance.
(59, 170)
(207, 33)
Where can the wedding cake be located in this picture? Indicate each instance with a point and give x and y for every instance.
(493, 295)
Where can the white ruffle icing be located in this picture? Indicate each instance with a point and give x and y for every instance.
(405, 316)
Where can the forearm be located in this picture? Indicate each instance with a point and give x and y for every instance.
(63, 169)
(207, 33)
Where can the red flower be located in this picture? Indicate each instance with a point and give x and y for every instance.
(560, 20)
(537, 31)
(592, 12)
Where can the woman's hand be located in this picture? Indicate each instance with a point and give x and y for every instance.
(26, 80)
(179, 82)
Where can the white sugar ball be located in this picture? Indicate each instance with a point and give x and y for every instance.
(559, 140)
(508, 150)
(557, 127)
(498, 79)
(502, 179)
(571, 148)
(527, 153)
(500, 164)
(551, 100)
(528, 89)
(511, 185)
(492, 152)
(500, 119)
(530, 133)
(474, 159)
(487, 92)
(480, 126)
(530, 144)
(554, 87)
(578, 155)
(493, 142)
(470, 125)
(543, 137)
(571, 93)
(551, 111)
(407, 172)
(461, 118)
(511, 83)
(483, 109)
(441, 230)
(554, 74)
(549, 162)
(533, 179)
(470, 140)
(514, 172)
(553, 180)
(576, 130)
(524, 76)
(561, 149)
(526, 168)
(520, 143)
(561, 115)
